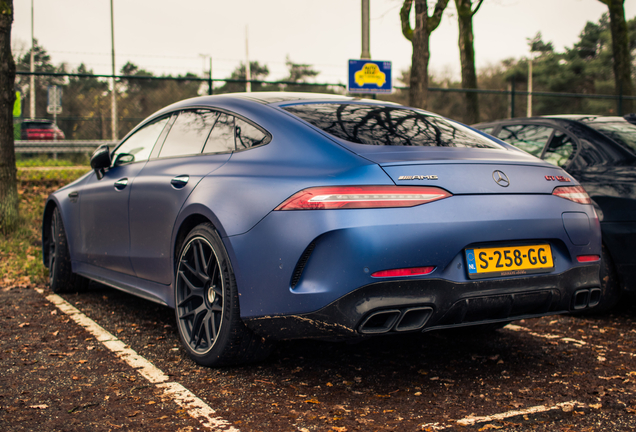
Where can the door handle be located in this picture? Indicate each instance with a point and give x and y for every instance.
(179, 181)
(121, 183)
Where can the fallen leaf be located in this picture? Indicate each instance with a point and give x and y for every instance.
(43, 406)
(312, 401)
(134, 414)
(490, 426)
(24, 325)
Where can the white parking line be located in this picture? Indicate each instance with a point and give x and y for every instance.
(472, 420)
(194, 406)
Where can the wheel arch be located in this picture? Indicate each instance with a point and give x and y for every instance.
(188, 219)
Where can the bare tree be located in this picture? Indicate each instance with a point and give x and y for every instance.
(465, 13)
(419, 37)
(8, 182)
(620, 50)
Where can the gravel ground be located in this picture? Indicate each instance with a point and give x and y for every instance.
(55, 376)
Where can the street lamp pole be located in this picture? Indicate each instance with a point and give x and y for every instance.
(366, 51)
(113, 92)
(248, 72)
(32, 80)
(529, 110)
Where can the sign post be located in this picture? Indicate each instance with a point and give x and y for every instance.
(370, 76)
(54, 98)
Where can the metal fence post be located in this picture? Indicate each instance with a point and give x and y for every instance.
(511, 100)
(620, 97)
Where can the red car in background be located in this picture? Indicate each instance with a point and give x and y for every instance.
(40, 130)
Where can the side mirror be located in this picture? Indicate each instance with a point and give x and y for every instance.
(100, 161)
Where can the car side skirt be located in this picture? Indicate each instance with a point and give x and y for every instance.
(152, 291)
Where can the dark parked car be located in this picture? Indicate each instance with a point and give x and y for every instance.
(40, 130)
(600, 152)
(266, 216)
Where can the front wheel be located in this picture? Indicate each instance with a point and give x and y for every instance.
(61, 276)
(207, 306)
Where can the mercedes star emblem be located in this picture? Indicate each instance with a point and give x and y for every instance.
(500, 178)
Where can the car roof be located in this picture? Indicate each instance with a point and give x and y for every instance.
(277, 97)
(37, 121)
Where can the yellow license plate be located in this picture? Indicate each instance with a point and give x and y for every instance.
(509, 260)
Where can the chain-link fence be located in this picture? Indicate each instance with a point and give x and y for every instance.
(87, 100)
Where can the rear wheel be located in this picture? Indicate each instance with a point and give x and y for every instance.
(61, 276)
(610, 289)
(207, 306)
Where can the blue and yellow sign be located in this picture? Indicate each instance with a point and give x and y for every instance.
(369, 76)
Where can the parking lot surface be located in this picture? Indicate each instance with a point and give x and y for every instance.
(558, 373)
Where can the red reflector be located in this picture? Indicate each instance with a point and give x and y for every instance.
(588, 258)
(413, 271)
(572, 193)
(349, 197)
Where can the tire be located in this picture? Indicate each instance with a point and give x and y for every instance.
(207, 305)
(61, 276)
(610, 289)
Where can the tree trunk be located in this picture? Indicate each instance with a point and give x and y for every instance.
(467, 57)
(418, 92)
(8, 181)
(620, 51)
(419, 37)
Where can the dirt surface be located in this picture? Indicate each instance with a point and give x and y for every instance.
(55, 376)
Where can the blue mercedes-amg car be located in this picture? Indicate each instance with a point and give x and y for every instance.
(272, 216)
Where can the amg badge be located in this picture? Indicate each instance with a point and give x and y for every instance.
(418, 177)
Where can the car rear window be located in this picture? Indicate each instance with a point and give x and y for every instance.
(37, 125)
(621, 132)
(388, 126)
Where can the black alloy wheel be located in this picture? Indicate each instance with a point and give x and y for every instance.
(207, 307)
(200, 295)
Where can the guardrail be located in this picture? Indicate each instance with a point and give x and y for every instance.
(65, 146)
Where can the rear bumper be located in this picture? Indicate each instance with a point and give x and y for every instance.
(423, 305)
(295, 263)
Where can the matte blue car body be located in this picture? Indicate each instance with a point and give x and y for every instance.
(128, 238)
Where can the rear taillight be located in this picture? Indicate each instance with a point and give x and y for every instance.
(573, 193)
(359, 197)
(412, 271)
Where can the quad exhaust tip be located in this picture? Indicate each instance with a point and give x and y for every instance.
(586, 298)
(398, 320)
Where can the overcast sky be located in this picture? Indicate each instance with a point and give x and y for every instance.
(168, 37)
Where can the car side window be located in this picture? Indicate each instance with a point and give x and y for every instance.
(529, 137)
(248, 135)
(560, 149)
(488, 129)
(221, 138)
(189, 133)
(139, 145)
